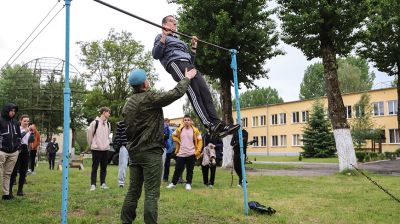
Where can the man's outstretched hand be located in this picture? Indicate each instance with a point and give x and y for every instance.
(191, 73)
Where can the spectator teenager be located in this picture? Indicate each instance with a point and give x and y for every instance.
(121, 141)
(51, 151)
(99, 143)
(188, 148)
(21, 166)
(10, 140)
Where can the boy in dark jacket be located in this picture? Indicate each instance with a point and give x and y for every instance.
(10, 140)
(144, 120)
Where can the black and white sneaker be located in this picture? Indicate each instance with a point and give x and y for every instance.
(228, 130)
(214, 128)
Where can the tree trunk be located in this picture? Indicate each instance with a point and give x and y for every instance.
(227, 159)
(226, 97)
(343, 139)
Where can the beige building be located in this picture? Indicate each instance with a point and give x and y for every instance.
(279, 127)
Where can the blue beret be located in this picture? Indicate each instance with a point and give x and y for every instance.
(137, 77)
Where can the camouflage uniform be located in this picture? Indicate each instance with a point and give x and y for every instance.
(144, 118)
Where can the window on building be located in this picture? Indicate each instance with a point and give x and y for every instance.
(255, 121)
(296, 140)
(244, 122)
(283, 140)
(378, 109)
(274, 119)
(282, 118)
(304, 116)
(392, 105)
(360, 111)
(274, 140)
(393, 136)
(263, 120)
(348, 112)
(295, 117)
(256, 141)
(263, 140)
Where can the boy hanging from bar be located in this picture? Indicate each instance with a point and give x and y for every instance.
(175, 57)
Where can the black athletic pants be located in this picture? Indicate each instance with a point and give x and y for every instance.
(180, 166)
(204, 170)
(20, 167)
(167, 164)
(237, 165)
(99, 157)
(198, 92)
(52, 159)
(32, 163)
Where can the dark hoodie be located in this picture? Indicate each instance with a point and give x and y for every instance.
(10, 133)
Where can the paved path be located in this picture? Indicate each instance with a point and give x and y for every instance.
(388, 167)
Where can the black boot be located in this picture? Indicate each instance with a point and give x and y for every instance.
(20, 192)
(7, 197)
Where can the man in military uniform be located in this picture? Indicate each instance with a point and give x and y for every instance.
(144, 120)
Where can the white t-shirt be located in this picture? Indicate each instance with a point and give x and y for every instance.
(25, 139)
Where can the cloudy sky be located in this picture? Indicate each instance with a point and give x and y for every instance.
(92, 21)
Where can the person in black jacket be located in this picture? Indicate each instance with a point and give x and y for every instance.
(236, 153)
(10, 140)
(51, 151)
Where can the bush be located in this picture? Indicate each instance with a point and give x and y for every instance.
(367, 157)
(397, 152)
(374, 156)
(390, 155)
(360, 156)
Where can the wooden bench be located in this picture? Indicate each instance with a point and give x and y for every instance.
(74, 163)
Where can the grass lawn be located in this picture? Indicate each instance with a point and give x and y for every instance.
(325, 199)
(292, 159)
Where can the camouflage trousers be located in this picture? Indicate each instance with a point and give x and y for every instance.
(145, 169)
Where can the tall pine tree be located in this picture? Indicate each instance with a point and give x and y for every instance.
(318, 137)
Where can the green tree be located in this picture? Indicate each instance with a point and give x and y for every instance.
(108, 63)
(41, 97)
(37, 95)
(382, 39)
(318, 140)
(258, 97)
(362, 124)
(313, 84)
(242, 25)
(353, 75)
(325, 29)
(78, 86)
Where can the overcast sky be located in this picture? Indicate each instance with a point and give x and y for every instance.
(92, 21)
